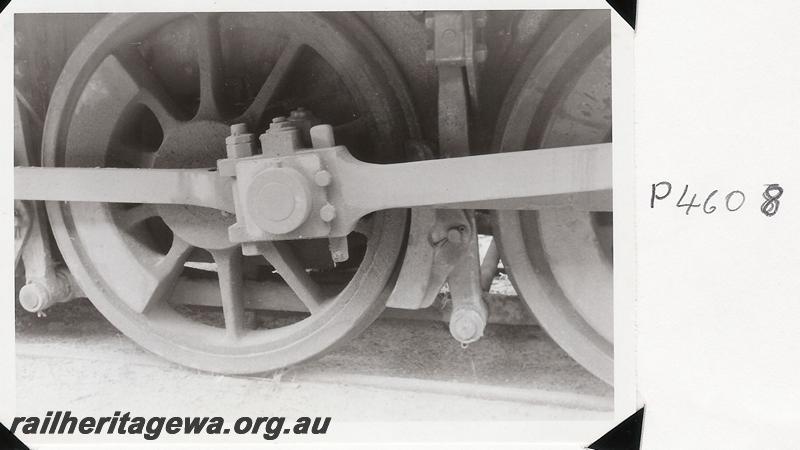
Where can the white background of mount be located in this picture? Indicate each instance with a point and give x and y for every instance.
(717, 100)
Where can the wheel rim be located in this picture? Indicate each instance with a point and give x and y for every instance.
(560, 260)
(130, 96)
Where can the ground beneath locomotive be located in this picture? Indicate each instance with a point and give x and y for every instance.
(74, 359)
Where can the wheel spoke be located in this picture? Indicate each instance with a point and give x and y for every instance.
(293, 273)
(254, 113)
(131, 156)
(364, 226)
(353, 127)
(136, 215)
(142, 160)
(165, 274)
(209, 61)
(231, 286)
(151, 91)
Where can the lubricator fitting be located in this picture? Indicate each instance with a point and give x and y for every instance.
(322, 136)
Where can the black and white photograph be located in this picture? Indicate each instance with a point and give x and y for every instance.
(541, 224)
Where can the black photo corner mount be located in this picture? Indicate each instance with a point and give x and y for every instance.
(626, 9)
(3, 4)
(10, 442)
(625, 436)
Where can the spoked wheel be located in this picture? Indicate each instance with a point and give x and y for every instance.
(160, 90)
(560, 260)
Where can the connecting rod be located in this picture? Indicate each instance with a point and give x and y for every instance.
(578, 177)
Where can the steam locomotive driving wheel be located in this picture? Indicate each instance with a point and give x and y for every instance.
(560, 259)
(161, 91)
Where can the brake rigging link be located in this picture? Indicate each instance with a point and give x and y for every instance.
(455, 55)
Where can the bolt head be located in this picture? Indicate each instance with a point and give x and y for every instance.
(430, 56)
(281, 126)
(481, 53)
(480, 19)
(323, 178)
(299, 113)
(327, 213)
(455, 236)
(449, 34)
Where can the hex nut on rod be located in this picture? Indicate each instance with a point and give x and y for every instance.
(281, 139)
(240, 144)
